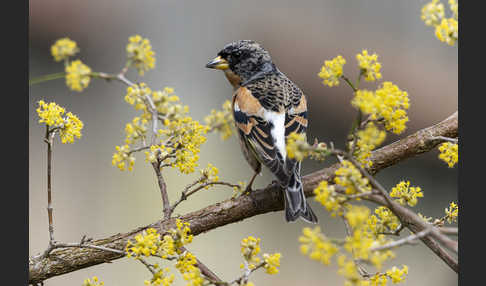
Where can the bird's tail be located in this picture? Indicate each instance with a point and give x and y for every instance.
(295, 203)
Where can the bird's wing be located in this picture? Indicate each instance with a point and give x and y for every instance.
(295, 121)
(262, 129)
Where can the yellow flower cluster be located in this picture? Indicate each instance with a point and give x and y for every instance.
(221, 120)
(357, 215)
(327, 196)
(297, 146)
(348, 269)
(387, 102)
(161, 278)
(135, 130)
(209, 174)
(166, 104)
(136, 95)
(452, 212)
(250, 247)
(182, 233)
(63, 49)
(149, 243)
(122, 158)
(446, 29)
(186, 137)
(78, 75)
(72, 128)
(146, 244)
(369, 65)
(140, 54)
(396, 274)
(50, 114)
(186, 264)
(406, 194)
(69, 127)
(449, 153)
(368, 139)
(95, 282)
(385, 221)
(272, 262)
(349, 177)
(316, 245)
(332, 70)
(432, 13)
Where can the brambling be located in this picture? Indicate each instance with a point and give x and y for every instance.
(267, 107)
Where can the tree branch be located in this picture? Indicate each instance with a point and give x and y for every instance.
(260, 201)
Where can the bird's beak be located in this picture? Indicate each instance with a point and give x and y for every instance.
(218, 63)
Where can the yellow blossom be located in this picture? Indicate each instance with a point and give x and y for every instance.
(454, 8)
(272, 262)
(358, 243)
(357, 215)
(332, 70)
(368, 139)
(297, 146)
(135, 130)
(447, 31)
(379, 257)
(182, 234)
(388, 103)
(72, 128)
(396, 274)
(406, 194)
(161, 277)
(386, 220)
(250, 247)
(369, 65)
(69, 127)
(452, 212)
(63, 49)
(349, 177)
(146, 244)
(449, 153)
(186, 264)
(50, 114)
(123, 157)
(185, 136)
(209, 174)
(78, 75)
(136, 96)
(348, 269)
(379, 280)
(222, 120)
(432, 13)
(316, 245)
(140, 54)
(327, 196)
(95, 282)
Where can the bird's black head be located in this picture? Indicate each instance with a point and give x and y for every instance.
(244, 58)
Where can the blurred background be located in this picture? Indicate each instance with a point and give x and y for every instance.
(92, 197)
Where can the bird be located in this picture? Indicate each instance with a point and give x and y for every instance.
(267, 106)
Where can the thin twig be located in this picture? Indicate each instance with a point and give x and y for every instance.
(362, 270)
(407, 240)
(188, 192)
(163, 189)
(49, 140)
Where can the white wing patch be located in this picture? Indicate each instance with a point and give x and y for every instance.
(278, 130)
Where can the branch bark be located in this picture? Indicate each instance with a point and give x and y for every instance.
(261, 201)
